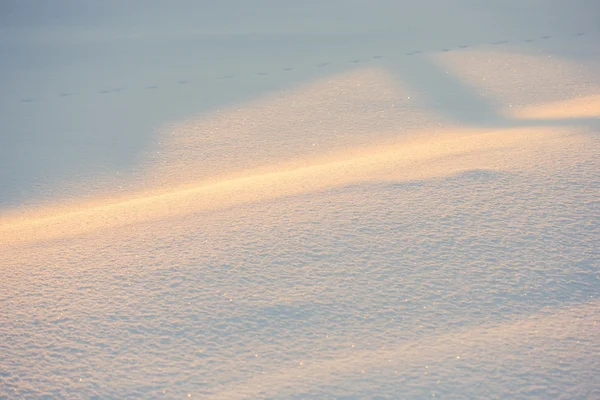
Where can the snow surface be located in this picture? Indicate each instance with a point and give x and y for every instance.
(314, 199)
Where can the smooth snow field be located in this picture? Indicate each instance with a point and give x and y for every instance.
(316, 199)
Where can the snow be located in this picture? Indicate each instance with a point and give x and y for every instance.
(357, 199)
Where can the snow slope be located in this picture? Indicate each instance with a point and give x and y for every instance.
(300, 200)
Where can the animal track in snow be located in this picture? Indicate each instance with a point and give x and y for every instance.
(323, 64)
